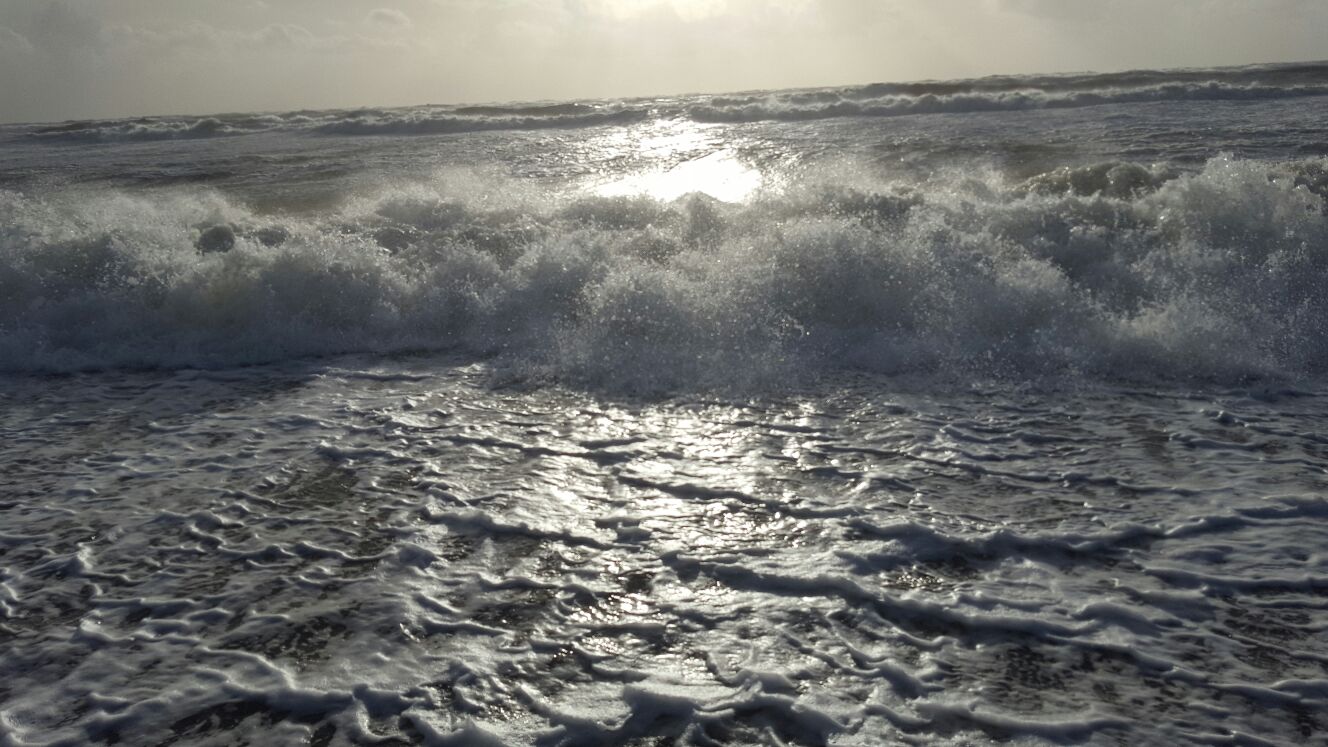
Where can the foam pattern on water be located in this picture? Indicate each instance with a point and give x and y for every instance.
(370, 553)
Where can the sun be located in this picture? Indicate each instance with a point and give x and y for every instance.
(688, 10)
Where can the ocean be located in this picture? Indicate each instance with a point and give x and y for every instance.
(941, 413)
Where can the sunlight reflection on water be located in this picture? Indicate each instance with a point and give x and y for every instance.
(678, 158)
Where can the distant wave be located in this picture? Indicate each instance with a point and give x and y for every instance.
(532, 110)
(475, 119)
(1287, 76)
(1112, 270)
(825, 105)
(403, 121)
(992, 94)
(162, 128)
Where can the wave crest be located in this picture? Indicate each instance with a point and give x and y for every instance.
(1218, 274)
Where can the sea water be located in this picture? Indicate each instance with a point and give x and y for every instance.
(936, 413)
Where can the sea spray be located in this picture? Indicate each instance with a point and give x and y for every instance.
(1215, 274)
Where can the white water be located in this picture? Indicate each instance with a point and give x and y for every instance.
(1214, 275)
(603, 423)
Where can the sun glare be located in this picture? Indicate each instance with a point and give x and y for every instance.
(677, 159)
(685, 9)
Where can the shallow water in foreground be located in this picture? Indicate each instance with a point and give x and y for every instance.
(375, 551)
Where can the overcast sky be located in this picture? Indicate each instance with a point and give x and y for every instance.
(64, 59)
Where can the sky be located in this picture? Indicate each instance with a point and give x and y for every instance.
(78, 59)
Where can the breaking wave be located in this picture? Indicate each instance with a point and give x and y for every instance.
(1117, 270)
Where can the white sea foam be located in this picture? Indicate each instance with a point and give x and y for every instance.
(1109, 271)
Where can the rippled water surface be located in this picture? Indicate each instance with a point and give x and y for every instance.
(357, 551)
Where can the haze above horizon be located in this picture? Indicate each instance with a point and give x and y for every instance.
(78, 59)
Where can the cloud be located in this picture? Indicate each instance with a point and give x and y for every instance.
(280, 36)
(200, 38)
(389, 18)
(14, 43)
(193, 36)
(1055, 9)
(63, 24)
